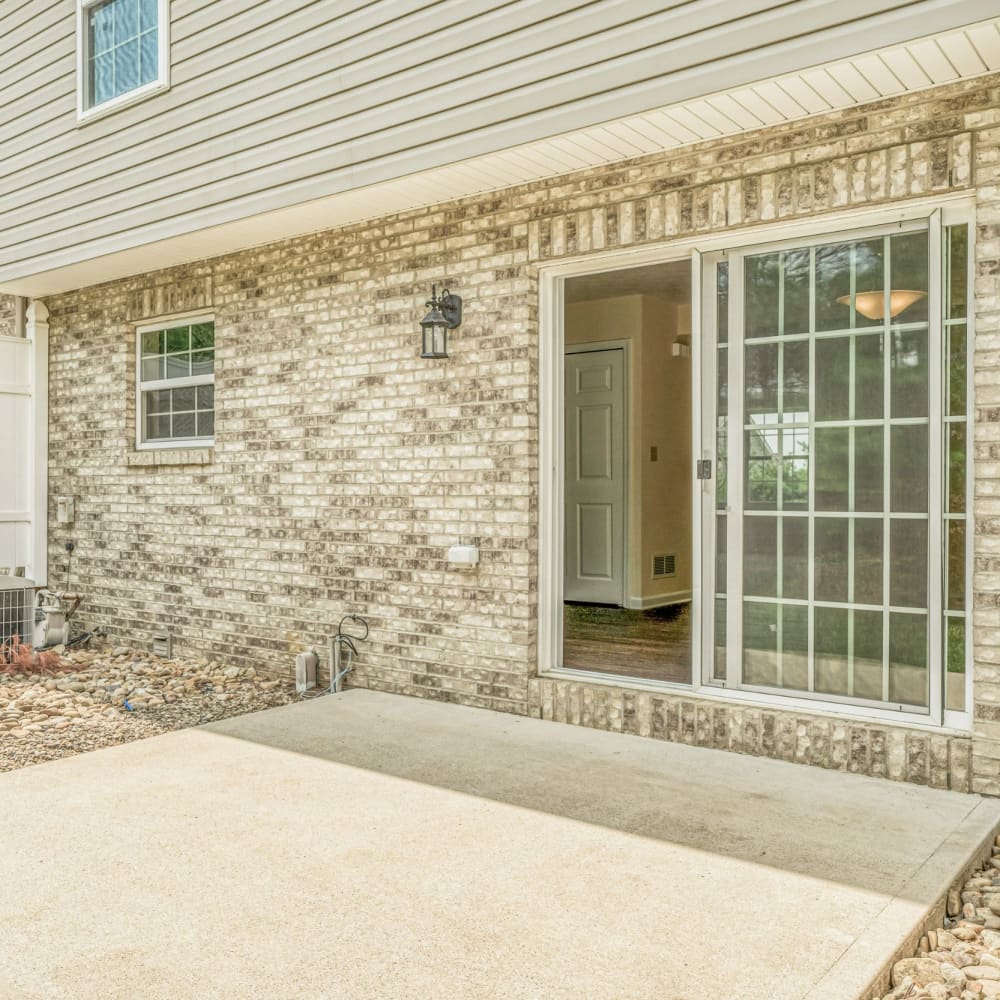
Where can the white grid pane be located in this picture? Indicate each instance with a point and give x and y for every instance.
(122, 48)
(835, 475)
(177, 383)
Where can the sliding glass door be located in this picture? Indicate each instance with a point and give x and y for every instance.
(829, 413)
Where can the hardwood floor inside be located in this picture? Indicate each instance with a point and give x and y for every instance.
(653, 645)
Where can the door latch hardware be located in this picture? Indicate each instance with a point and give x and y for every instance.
(704, 468)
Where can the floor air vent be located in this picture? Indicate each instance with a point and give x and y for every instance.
(664, 565)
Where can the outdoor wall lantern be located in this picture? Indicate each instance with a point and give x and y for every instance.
(871, 305)
(445, 314)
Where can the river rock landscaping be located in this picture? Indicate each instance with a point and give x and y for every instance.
(101, 698)
(961, 959)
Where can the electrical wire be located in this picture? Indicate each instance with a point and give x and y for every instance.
(347, 642)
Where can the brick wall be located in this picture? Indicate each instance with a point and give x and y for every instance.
(344, 465)
(7, 309)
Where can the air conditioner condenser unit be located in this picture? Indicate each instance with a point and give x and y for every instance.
(17, 610)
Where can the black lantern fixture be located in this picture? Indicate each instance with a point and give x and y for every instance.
(445, 314)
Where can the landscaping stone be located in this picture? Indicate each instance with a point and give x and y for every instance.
(920, 971)
(982, 972)
(113, 696)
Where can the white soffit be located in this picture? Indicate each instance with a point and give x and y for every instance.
(968, 52)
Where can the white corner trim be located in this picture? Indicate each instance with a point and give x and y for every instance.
(37, 330)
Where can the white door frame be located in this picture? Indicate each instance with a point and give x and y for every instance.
(624, 345)
(552, 278)
(552, 434)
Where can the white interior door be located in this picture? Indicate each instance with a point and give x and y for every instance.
(595, 477)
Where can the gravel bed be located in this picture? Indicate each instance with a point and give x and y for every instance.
(107, 697)
(962, 959)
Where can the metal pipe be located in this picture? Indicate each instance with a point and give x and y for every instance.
(338, 671)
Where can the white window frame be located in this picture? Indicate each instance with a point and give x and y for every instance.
(141, 387)
(957, 217)
(85, 112)
(955, 209)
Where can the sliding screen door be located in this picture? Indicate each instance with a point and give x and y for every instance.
(828, 416)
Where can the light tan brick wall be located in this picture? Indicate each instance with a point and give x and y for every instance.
(886, 751)
(986, 643)
(344, 465)
(7, 309)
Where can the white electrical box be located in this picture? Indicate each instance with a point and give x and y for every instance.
(65, 510)
(305, 671)
(463, 555)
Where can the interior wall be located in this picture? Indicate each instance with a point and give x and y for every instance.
(659, 506)
(665, 426)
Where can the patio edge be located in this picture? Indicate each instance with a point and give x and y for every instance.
(968, 845)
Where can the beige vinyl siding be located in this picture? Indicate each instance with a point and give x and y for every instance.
(282, 101)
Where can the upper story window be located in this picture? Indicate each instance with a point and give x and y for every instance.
(123, 52)
(176, 381)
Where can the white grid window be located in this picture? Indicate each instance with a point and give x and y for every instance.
(123, 52)
(851, 477)
(176, 379)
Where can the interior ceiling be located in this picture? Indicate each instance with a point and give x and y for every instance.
(669, 281)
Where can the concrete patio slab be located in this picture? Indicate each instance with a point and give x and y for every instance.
(368, 845)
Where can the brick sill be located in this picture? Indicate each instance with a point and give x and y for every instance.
(746, 699)
(170, 456)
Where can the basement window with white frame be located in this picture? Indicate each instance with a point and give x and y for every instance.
(122, 53)
(176, 383)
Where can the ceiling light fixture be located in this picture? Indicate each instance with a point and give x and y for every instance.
(871, 305)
